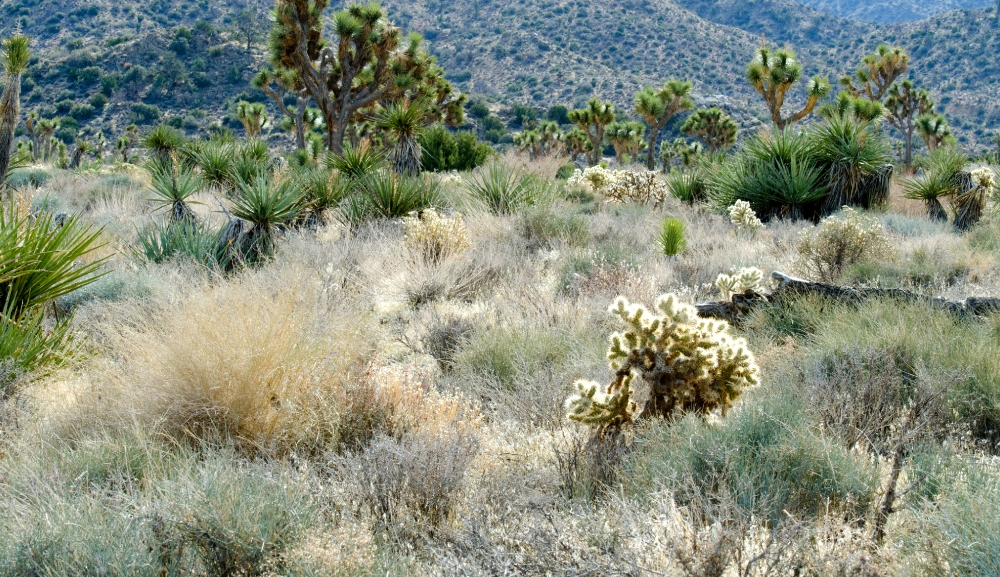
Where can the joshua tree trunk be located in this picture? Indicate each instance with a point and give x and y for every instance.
(935, 211)
(10, 110)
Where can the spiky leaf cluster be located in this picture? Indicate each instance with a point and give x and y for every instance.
(690, 364)
(877, 72)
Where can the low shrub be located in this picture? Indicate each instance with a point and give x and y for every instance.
(840, 241)
(432, 237)
(547, 226)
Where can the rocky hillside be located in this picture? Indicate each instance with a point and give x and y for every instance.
(104, 64)
(886, 11)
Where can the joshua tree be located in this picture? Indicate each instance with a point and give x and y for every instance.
(713, 127)
(903, 105)
(529, 141)
(577, 142)
(772, 73)
(15, 60)
(46, 127)
(404, 121)
(847, 105)
(253, 115)
(658, 106)
(626, 138)
(277, 85)
(30, 126)
(877, 72)
(933, 129)
(82, 148)
(364, 66)
(550, 135)
(592, 120)
(99, 143)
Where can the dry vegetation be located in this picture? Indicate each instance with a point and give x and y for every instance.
(388, 398)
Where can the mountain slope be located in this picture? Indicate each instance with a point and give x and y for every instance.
(888, 11)
(537, 52)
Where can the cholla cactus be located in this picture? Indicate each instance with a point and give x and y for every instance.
(744, 219)
(643, 187)
(983, 177)
(433, 237)
(452, 177)
(840, 241)
(690, 364)
(597, 178)
(740, 281)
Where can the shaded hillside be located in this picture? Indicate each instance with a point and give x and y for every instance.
(539, 53)
(887, 11)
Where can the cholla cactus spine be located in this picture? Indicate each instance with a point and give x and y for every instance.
(739, 282)
(690, 364)
(742, 216)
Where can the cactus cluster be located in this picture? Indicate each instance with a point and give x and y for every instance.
(452, 178)
(690, 364)
(643, 187)
(740, 281)
(433, 237)
(742, 216)
(839, 241)
(596, 178)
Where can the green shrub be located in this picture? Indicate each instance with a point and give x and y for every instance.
(765, 458)
(444, 151)
(565, 171)
(506, 190)
(853, 154)
(22, 177)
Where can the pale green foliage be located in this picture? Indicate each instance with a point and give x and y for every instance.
(742, 216)
(596, 178)
(690, 364)
(739, 282)
(839, 241)
(642, 187)
(433, 237)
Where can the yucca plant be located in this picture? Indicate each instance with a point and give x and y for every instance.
(506, 190)
(323, 191)
(385, 194)
(355, 161)
(687, 187)
(172, 186)
(163, 141)
(775, 173)
(855, 158)
(29, 348)
(266, 204)
(215, 160)
(931, 188)
(15, 59)
(161, 241)
(404, 121)
(672, 239)
(39, 259)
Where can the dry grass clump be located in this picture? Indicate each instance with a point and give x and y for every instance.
(264, 367)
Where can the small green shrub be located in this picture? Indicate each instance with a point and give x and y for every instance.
(672, 238)
(840, 241)
(506, 190)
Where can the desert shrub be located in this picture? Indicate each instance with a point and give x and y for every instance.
(640, 187)
(962, 349)
(839, 241)
(565, 171)
(690, 365)
(596, 178)
(765, 458)
(547, 226)
(444, 151)
(969, 204)
(507, 190)
(23, 177)
(432, 237)
(416, 479)
(239, 517)
(462, 277)
(671, 238)
(965, 521)
(922, 268)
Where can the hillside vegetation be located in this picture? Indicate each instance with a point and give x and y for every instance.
(355, 321)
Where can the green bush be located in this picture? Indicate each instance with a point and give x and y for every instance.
(766, 458)
(671, 239)
(444, 151)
